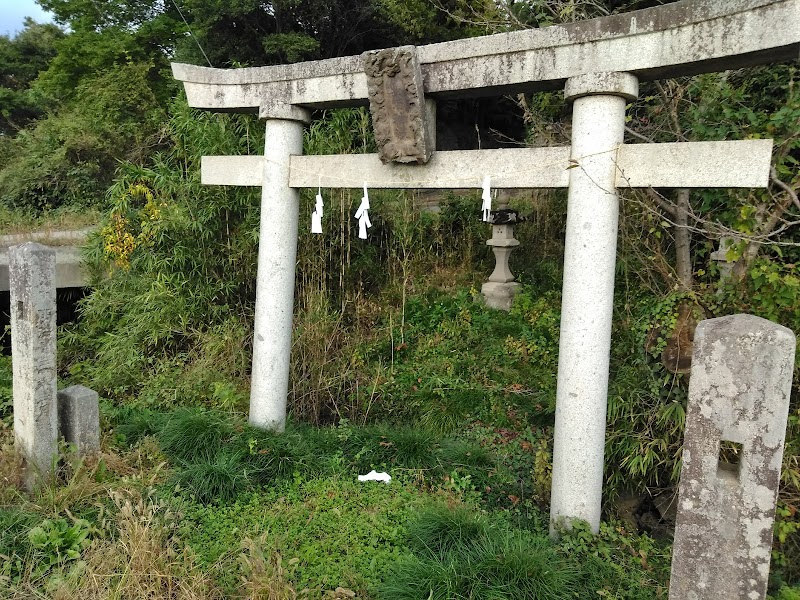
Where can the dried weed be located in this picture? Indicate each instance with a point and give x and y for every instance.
(146, 560)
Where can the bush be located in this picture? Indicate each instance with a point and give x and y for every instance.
(70, 157)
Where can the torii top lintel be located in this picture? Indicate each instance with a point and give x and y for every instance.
(683, 38)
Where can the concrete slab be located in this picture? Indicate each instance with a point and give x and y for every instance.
(69, 269)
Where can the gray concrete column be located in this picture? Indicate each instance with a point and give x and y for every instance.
(32, 271)
(588, 294)
(277, 254)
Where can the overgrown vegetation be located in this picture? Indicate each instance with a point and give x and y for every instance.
(395, 365)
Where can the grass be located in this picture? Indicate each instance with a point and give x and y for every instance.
(330, 531)
(240, 512)
(219, 480)
(462, 554)
(195, 435)
(247, 513)
(143, 560)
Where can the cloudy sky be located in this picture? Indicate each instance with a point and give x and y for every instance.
(13, 12)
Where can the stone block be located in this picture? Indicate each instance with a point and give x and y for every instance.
(399, 115)
(733, 447)
(79, 418)
(32, 274)
(499, 296)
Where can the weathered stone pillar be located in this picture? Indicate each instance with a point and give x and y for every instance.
(588, 295)
(32, 271)
(499, 291)
(277, 254)
(733, 446)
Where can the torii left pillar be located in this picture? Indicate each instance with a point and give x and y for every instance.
(277, 255)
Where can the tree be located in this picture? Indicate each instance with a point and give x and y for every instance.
(22, 58)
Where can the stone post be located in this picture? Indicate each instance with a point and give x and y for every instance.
(32, 271)
(588, 294)
(277, 254)
(733, 446)
(79, 418)
(499, 291)
(720, 255)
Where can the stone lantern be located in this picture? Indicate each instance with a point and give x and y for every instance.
(499, 291)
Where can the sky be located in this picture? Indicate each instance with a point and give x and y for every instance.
(13, 13)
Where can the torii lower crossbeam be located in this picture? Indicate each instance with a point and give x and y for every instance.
(736, 164)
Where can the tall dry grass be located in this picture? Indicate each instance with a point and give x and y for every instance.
(144, 561)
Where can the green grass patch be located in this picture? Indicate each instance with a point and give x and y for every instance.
(15, 544)
(330, 532)
(219, 480)
(195, 435)
(18, 221)
(463, 554)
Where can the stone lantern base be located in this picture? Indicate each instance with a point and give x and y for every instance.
(499, 295)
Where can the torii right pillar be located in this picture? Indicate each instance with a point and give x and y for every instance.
(598, 125)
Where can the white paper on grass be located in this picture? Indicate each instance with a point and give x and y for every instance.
(375, 476)
(362, 215)
(486, 207)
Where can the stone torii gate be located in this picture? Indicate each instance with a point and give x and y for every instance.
(599, 63)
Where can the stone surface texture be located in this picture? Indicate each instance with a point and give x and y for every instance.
(32, 269)
(271, 109)
(739, 392)
(587, 305)
(731, 164)
(277, 254)
(683, 38)
(623, 85)
(743, 163)
(79, 418)
(397, 104)
(498, 295)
